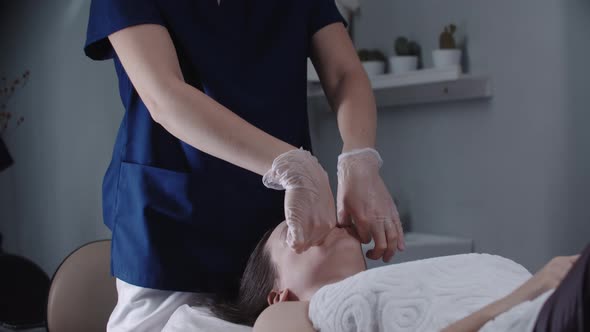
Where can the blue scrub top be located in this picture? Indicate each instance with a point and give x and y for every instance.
(181, 219)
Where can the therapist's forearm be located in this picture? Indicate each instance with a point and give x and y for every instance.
(149, 58)
(200, 121)
(352, 98)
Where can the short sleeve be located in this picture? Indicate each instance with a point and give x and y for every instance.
(323, 12)
(109, 16)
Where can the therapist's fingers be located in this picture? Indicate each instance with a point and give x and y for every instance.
(295, 238)
(363, 229)
(401, 240)
(321, 231)
(392, 236)
(397, 222)
(344, 218)
(378, 233)
(352, 231)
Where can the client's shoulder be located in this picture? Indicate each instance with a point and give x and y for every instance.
(285, 316)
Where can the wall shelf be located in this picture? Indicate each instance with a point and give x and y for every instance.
(400, 93)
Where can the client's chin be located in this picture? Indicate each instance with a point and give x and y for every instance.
(341, 239)
(343, 255)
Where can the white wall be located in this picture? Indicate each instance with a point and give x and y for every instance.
(50, 199)
(510, 173)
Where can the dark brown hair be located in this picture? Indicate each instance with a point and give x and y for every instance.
(257, 282)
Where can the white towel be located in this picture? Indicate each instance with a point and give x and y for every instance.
(425, 295)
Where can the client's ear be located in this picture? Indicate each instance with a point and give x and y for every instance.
(276, 296)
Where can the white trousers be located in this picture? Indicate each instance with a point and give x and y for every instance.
(145, 309)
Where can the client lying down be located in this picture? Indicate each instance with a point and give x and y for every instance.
(328, 288)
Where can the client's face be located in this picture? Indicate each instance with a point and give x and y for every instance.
(339, 257)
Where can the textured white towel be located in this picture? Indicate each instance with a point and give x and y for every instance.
(425, 295)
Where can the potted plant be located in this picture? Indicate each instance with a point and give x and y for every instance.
(448, 55)
(407, 54)
(373, 61)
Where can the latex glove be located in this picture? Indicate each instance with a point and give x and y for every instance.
(363, 202)
(309, 204)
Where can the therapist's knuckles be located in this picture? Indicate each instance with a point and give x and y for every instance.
(343, 217)
(379, 250)
(392, 242)
(388, 256)
(364, 234)
(390, 251)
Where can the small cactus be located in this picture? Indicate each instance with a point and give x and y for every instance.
(405, 47)
(447, 40)
(377, 55)
(363, 55)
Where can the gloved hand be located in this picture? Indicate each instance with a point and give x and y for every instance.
(309, 204)
(363, 202)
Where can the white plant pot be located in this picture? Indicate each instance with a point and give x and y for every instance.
(403, 64)
(446, 58)
(374, 67)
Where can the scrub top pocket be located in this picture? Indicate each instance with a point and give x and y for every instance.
(152, 192)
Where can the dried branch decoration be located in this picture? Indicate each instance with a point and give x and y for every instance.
(9, 119)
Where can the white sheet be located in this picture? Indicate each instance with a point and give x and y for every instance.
(187, 318)
(425, 295)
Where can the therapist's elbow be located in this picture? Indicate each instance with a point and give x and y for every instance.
(154, 107)
(158, 101)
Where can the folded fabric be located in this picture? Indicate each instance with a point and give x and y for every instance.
(187, 318)
(425, 295)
